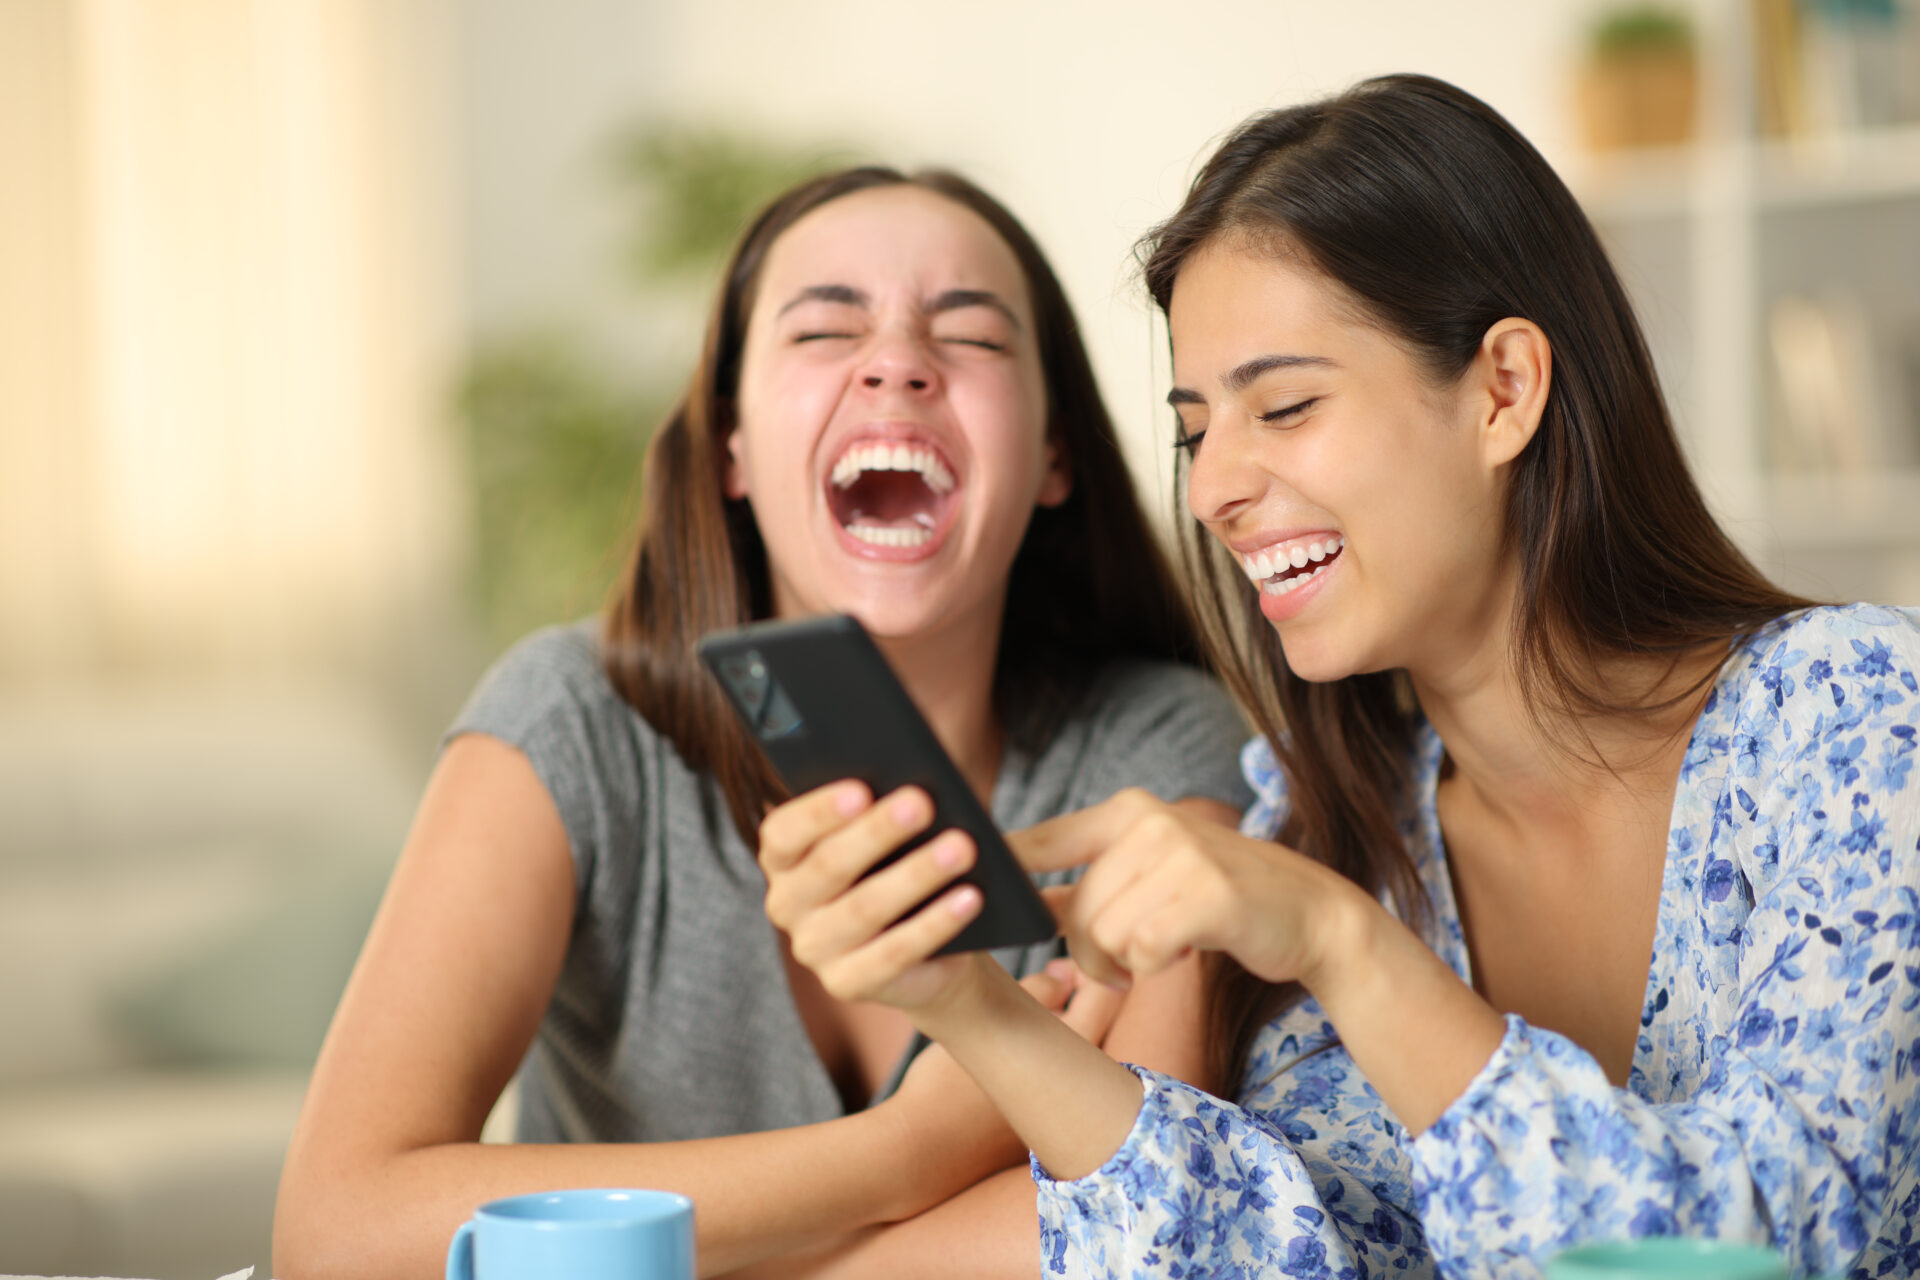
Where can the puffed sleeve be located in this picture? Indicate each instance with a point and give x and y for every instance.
(1308, 1181)
(1798, 1128)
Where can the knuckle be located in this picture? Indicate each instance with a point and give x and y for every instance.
(775, 904)
(1107, 937)
(805, 944)
(840, 983)
(1160, 826)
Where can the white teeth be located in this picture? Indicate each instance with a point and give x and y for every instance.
(1263, 567)
(1284, 586)
(891, 535)
(893, 457)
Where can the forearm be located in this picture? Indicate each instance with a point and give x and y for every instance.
(756, 1195)
(1416, 1031)
(988, 1232)
(1067, 1100)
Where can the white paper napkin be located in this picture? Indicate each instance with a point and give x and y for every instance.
(245, 1273)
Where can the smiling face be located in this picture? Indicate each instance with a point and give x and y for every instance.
(891, 428)
(1363, 501)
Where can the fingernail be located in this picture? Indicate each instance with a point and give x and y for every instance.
(949, 854)
(906, 808)
(849, 801)
(964, 902)
(1060, 969)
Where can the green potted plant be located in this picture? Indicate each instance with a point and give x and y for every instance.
(1640, 81)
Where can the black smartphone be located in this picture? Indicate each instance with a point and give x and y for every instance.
(820, 699)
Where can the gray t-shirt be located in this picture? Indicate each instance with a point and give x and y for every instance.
(673, 1017)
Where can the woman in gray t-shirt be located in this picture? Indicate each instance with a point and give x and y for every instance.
(892, 417)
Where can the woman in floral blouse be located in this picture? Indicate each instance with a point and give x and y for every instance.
(1527, 719)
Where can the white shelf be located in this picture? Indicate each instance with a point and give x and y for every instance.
(1673, 182)
(1841, 169)
(1701, 230)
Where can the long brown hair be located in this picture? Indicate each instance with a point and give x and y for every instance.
(1427, 207)
(1089, 582)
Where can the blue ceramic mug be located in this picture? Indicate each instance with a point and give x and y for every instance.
(1668, 1258)
(609, 1234)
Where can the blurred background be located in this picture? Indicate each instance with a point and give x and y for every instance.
(331, 332)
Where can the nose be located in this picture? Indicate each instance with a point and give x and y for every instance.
(899, 362)
(1224, 478)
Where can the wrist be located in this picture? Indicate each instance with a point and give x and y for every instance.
(1345, 945)
(907, 1182)
(966, 1003)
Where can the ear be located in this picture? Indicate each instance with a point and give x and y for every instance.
(733, 475)
(1514, 369)
(1057, 485)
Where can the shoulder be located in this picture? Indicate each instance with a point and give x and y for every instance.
(551, 676)
(1159, 725)
(1823, 718)
(1144, 693)
(1828, 668)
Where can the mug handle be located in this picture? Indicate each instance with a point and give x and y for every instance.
(460, 1253)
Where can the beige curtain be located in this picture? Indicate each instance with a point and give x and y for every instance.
(225, 330)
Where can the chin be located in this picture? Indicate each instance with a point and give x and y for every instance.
(1319, 659)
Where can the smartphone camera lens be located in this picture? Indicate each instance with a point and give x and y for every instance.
(767, 705)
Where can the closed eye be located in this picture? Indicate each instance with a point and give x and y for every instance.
(983, 343)
(1290, 411)
(817, 337)
(1190, 441)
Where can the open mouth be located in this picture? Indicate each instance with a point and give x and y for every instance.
(889, 493)
(1286, 567)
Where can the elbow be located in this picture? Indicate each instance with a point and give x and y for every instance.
(302, 1247)
(317, 1234)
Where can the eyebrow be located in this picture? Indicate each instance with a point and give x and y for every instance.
(954, 299)
(951, 300)
(826, 293)
(1242, 376)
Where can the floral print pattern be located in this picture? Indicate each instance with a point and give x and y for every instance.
(1774, 1094)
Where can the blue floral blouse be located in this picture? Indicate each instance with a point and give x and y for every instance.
(1775, 1089)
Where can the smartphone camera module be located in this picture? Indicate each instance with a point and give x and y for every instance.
(767, 705)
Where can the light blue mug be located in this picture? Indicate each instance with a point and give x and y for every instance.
(1668, 1258)
(602, 1234)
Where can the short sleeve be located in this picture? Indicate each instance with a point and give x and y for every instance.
(1169, 729)
(548, 698)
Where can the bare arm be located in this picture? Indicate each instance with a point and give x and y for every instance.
(992, 1228)
(449, 990)
(1162, 885)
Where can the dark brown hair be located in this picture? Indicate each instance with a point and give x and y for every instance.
(1427, 208)
(1089, 582)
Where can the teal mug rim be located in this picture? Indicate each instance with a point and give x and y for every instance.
(1620, 1258)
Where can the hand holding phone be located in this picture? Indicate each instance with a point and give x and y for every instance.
(823, 704)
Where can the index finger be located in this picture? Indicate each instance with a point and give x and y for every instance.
(802, 822)
(1075, 838)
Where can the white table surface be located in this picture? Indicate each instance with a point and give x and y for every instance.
(243, 1274)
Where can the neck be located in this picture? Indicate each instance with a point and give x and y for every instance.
(1559, 771)
(949, 675)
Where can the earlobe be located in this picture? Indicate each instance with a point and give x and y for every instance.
(733, 477)
(1057, 485)
(1517, 362)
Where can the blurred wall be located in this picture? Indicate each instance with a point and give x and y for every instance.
(1087, 118)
